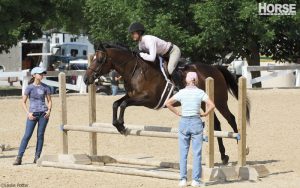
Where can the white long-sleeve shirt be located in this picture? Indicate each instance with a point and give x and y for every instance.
(153, 46)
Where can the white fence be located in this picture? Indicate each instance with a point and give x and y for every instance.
(25, 76)
(276, 71)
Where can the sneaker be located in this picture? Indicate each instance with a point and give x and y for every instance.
(182, 183)
(197, 183)
(18, 161)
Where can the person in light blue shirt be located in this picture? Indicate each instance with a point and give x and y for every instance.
(190, 126)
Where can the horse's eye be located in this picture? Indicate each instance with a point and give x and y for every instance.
(99, 61)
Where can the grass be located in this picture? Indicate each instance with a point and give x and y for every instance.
(266, 59)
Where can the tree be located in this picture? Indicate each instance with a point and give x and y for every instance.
(206, 31)
(67, 16)
(28, 19)
(108, 20)
(22, 20)
(236, 26)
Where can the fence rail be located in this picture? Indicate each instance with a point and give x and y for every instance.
(25, 76)
(277, 71)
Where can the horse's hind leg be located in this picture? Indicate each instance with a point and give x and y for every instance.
(224, 157)
(224, 110)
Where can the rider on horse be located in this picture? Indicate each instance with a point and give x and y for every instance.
(155, 46)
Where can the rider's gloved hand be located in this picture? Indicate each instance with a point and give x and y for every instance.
(136, 51)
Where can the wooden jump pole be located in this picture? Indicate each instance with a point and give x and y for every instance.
(63, 112)
(92, 115)
(140, 127)
(151, 128)
(134, 132)
(242, 97)
(115, 169)
(209, 87)
(141, 132)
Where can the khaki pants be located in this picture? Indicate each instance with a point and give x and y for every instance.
(173, 59)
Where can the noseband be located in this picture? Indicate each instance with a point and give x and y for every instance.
(96, 71)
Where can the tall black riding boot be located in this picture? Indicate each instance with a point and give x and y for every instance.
(177, 80)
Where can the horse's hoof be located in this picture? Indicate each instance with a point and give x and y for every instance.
(247, 150)
(225, 160)
(124, 132)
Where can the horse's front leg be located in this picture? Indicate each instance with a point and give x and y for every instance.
(116, 105)
(134, 101)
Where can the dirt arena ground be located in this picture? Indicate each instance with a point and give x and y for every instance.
(273, 138)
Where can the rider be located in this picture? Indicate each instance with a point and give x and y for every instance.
(155, 46)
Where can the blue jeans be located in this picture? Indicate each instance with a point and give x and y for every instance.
(190, 128)
(114, 89)
(30, 125)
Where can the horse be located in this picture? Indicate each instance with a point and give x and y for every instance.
(144, 84)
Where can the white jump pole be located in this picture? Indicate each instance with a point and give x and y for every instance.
(25, 79)
(297, 84)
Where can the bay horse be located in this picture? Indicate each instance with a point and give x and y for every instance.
(144, 84)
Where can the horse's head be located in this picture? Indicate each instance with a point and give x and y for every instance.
(99, 66)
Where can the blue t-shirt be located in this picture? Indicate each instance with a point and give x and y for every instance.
(37, 94)
(190, 99)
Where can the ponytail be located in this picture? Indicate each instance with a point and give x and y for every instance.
(196, 82)
(31, 80)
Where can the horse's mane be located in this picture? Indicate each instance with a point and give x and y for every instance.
(125, 48)
(117, 45)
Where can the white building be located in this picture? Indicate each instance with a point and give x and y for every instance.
(14, 61)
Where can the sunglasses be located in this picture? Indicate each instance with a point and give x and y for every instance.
(42, 74)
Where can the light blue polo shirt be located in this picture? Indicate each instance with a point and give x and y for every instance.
(37, 96)
(190, 98)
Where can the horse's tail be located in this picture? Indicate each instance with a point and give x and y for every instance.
(233, 88)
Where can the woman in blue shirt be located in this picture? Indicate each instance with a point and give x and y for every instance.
(190, 126)
(38, 113)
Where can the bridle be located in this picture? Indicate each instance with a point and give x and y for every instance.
(96, 71)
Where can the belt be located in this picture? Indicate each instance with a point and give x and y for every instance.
(196, 116)
(167, 54)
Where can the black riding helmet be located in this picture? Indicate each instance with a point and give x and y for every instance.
(136, 27)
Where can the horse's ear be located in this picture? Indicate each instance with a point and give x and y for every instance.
(97, 55)
(99, 46)
(102, 46)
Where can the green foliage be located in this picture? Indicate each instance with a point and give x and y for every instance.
(22, 20)
(204, 30)
(108, 20)
(67, 16)
(236, 26)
